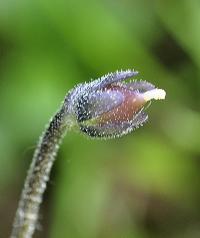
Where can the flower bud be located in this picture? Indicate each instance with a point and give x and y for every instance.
(109, 107)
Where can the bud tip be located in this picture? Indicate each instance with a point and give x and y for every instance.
(156, 94)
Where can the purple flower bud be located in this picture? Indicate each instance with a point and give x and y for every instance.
(109, 107)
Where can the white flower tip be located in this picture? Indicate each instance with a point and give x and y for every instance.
(156, 94)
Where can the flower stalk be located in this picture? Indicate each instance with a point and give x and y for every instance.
(38, 175)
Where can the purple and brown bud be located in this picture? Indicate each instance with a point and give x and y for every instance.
(109, 107)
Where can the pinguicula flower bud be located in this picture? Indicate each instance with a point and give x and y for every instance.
(104, 108)
(110, 107)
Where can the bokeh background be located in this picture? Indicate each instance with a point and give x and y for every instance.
(144, 185)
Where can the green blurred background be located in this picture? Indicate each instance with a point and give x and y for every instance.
(143, 185)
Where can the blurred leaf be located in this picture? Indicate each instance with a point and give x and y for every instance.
(182, 18)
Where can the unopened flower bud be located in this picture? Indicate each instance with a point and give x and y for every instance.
(109, 107)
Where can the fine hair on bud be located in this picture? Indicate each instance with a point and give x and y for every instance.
(110, 107)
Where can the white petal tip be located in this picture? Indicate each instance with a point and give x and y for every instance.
(156, 94)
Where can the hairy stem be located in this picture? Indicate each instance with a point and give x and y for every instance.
(38, 175)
